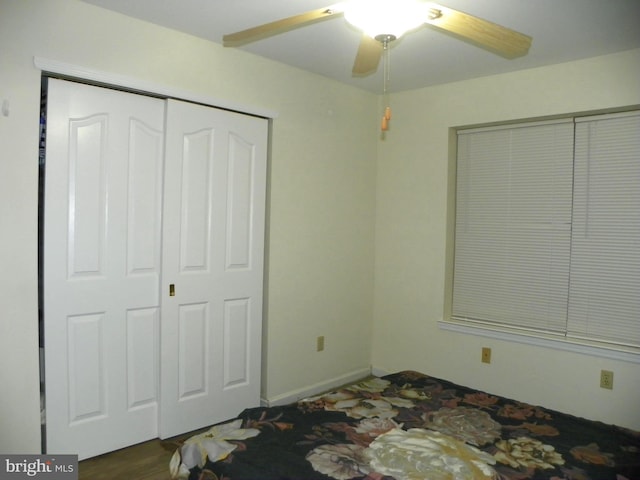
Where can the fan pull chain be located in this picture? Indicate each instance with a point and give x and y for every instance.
(386, 116)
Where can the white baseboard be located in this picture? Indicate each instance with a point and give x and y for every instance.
(379, 372)
(295, 395)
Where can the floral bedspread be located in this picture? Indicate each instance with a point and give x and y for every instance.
(409, 426)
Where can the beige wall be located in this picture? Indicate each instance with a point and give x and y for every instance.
(320, 259)
(411, 239)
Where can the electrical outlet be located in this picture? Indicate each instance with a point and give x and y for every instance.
(606, 379)
(486, 355)
(320, 343)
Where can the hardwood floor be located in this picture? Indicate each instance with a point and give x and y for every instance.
(145, 461)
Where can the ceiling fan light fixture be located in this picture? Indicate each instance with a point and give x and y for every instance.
(383, 18)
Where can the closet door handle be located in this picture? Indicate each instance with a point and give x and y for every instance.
(172, 290)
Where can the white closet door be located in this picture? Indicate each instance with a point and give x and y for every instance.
(101, 267)
(213, 236)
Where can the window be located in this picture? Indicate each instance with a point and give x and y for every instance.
(547, 230)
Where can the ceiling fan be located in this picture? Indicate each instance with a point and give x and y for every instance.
(383, 21)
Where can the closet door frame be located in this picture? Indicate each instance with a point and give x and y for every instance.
(56, 69)
(80, 73)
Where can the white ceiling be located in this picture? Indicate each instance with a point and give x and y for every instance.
(562, 30)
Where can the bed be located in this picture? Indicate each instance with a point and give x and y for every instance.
(404, 426)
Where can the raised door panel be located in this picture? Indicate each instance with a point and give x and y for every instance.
(240, 203)
(192, 361)
(145, 200)
(142, 357)
(237, 345)
(87, 196)
(86, 368)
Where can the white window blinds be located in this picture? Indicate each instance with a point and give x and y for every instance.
(513, 215)
(519, 259)
(604, 288)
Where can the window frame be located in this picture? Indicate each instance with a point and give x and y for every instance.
(558, 341)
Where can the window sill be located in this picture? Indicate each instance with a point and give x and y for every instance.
(548, 341)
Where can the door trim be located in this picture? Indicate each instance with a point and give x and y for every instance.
(135, 85)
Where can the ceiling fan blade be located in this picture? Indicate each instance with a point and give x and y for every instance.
(368, 56)
(280, 26)
(482, 33)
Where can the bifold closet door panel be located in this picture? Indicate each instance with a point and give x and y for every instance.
(101, 271)
(213, 255)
